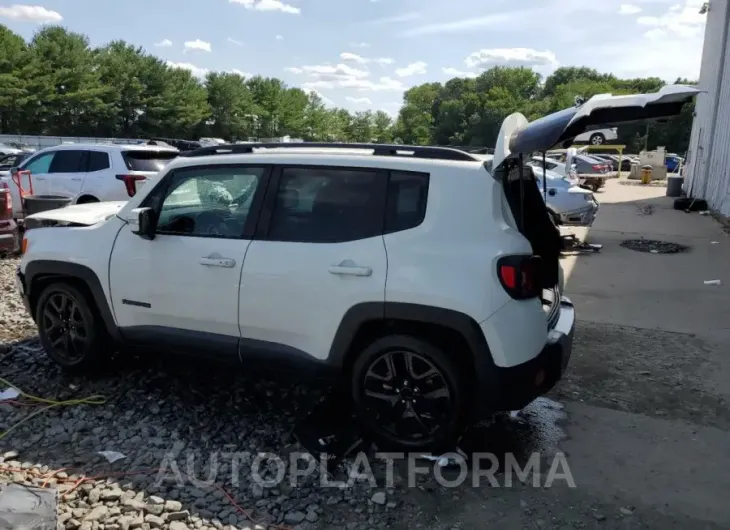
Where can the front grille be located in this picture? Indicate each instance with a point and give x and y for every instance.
(551, 305)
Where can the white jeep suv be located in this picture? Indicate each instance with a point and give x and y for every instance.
(424, 278)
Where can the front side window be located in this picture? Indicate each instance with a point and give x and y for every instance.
(39, 164)
(208, 202)
(327, 205)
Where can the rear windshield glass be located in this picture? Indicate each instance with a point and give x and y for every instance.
(147, 160)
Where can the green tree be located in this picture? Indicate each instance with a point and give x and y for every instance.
(13, 87)
(231, 106)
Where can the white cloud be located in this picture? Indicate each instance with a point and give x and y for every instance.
(681, 21)
(487, 58)
(347, 56)
(294, 70)
(359, 101)
(468, 23)
(454, 72)
(164, 43)
(359, 44)
(197, 44)
(268, 5)
(417, 68)
(330, 76)
(396, 19)
(195, 70)
(236, 42)
(383, 61)
(280, 37)
(24, 13)
(239, 72)
(325, 99)
(629, 9)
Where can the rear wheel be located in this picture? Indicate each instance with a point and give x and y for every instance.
(597, 139)
(87, 199)
(409, 394)
(69, 327)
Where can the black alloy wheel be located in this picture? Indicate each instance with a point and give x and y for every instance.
(65, 328)
(68, 326)
(409, 398)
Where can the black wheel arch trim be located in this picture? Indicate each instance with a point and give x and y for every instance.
(361, 314)
(42, 269)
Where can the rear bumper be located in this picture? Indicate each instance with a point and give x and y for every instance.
(583, 217)
(513, 388)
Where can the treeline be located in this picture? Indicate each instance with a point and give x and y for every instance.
(57, 84)
(465, 111)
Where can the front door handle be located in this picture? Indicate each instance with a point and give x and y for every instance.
(77, 179)
(348, 268)
(216, 260)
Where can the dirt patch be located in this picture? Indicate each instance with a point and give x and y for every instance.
(657, 373)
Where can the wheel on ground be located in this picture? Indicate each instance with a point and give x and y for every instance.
(87, 199)
(69, 327)
(597, 139)
(409, 394)
(595, 186)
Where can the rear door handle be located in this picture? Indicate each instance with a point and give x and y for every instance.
(216, 260)
(348, 268)
(76, 179)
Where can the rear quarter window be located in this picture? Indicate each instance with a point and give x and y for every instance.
(147, 160)
(406, 202)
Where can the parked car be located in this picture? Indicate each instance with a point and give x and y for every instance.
(8, 162)
(567, 203)
(8, 150)
(424, 279)
(598, 137)
(88, 172)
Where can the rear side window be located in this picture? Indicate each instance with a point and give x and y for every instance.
(98, 160)
(326, 205)
(147, 160)
(406, 202)
(67, 161)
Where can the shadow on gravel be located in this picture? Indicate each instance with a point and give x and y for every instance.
(197, 417)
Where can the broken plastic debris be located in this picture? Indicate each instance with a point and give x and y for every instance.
(112, 456)
(9, 393)
(705, 212)
(713, 282)
(714, 242)
(654, 251)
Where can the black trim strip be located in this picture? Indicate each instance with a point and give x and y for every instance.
(136, 303)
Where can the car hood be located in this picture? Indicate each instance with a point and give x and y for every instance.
(82, 214)
(517, 135)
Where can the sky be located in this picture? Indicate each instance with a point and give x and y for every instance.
(362, 54)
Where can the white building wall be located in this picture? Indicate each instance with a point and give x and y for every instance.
(708, 169)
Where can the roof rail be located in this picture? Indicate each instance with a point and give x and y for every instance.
(415, 151)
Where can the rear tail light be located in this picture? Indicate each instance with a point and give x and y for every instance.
(520, 276)
(130, 182)
(6, 202)
(597, 167)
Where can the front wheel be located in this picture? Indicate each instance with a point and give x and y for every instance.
(69, 327)
(409, 394)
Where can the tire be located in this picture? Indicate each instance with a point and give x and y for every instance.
(595, 186)
(407, 394)
(87, 199)
(597, 139)
(81, 341)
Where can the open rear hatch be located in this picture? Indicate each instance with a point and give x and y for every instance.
(519, 140)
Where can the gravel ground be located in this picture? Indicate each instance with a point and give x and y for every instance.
(158, 407)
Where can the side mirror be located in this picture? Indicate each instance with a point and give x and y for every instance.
(552, 191)
(143, 222)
